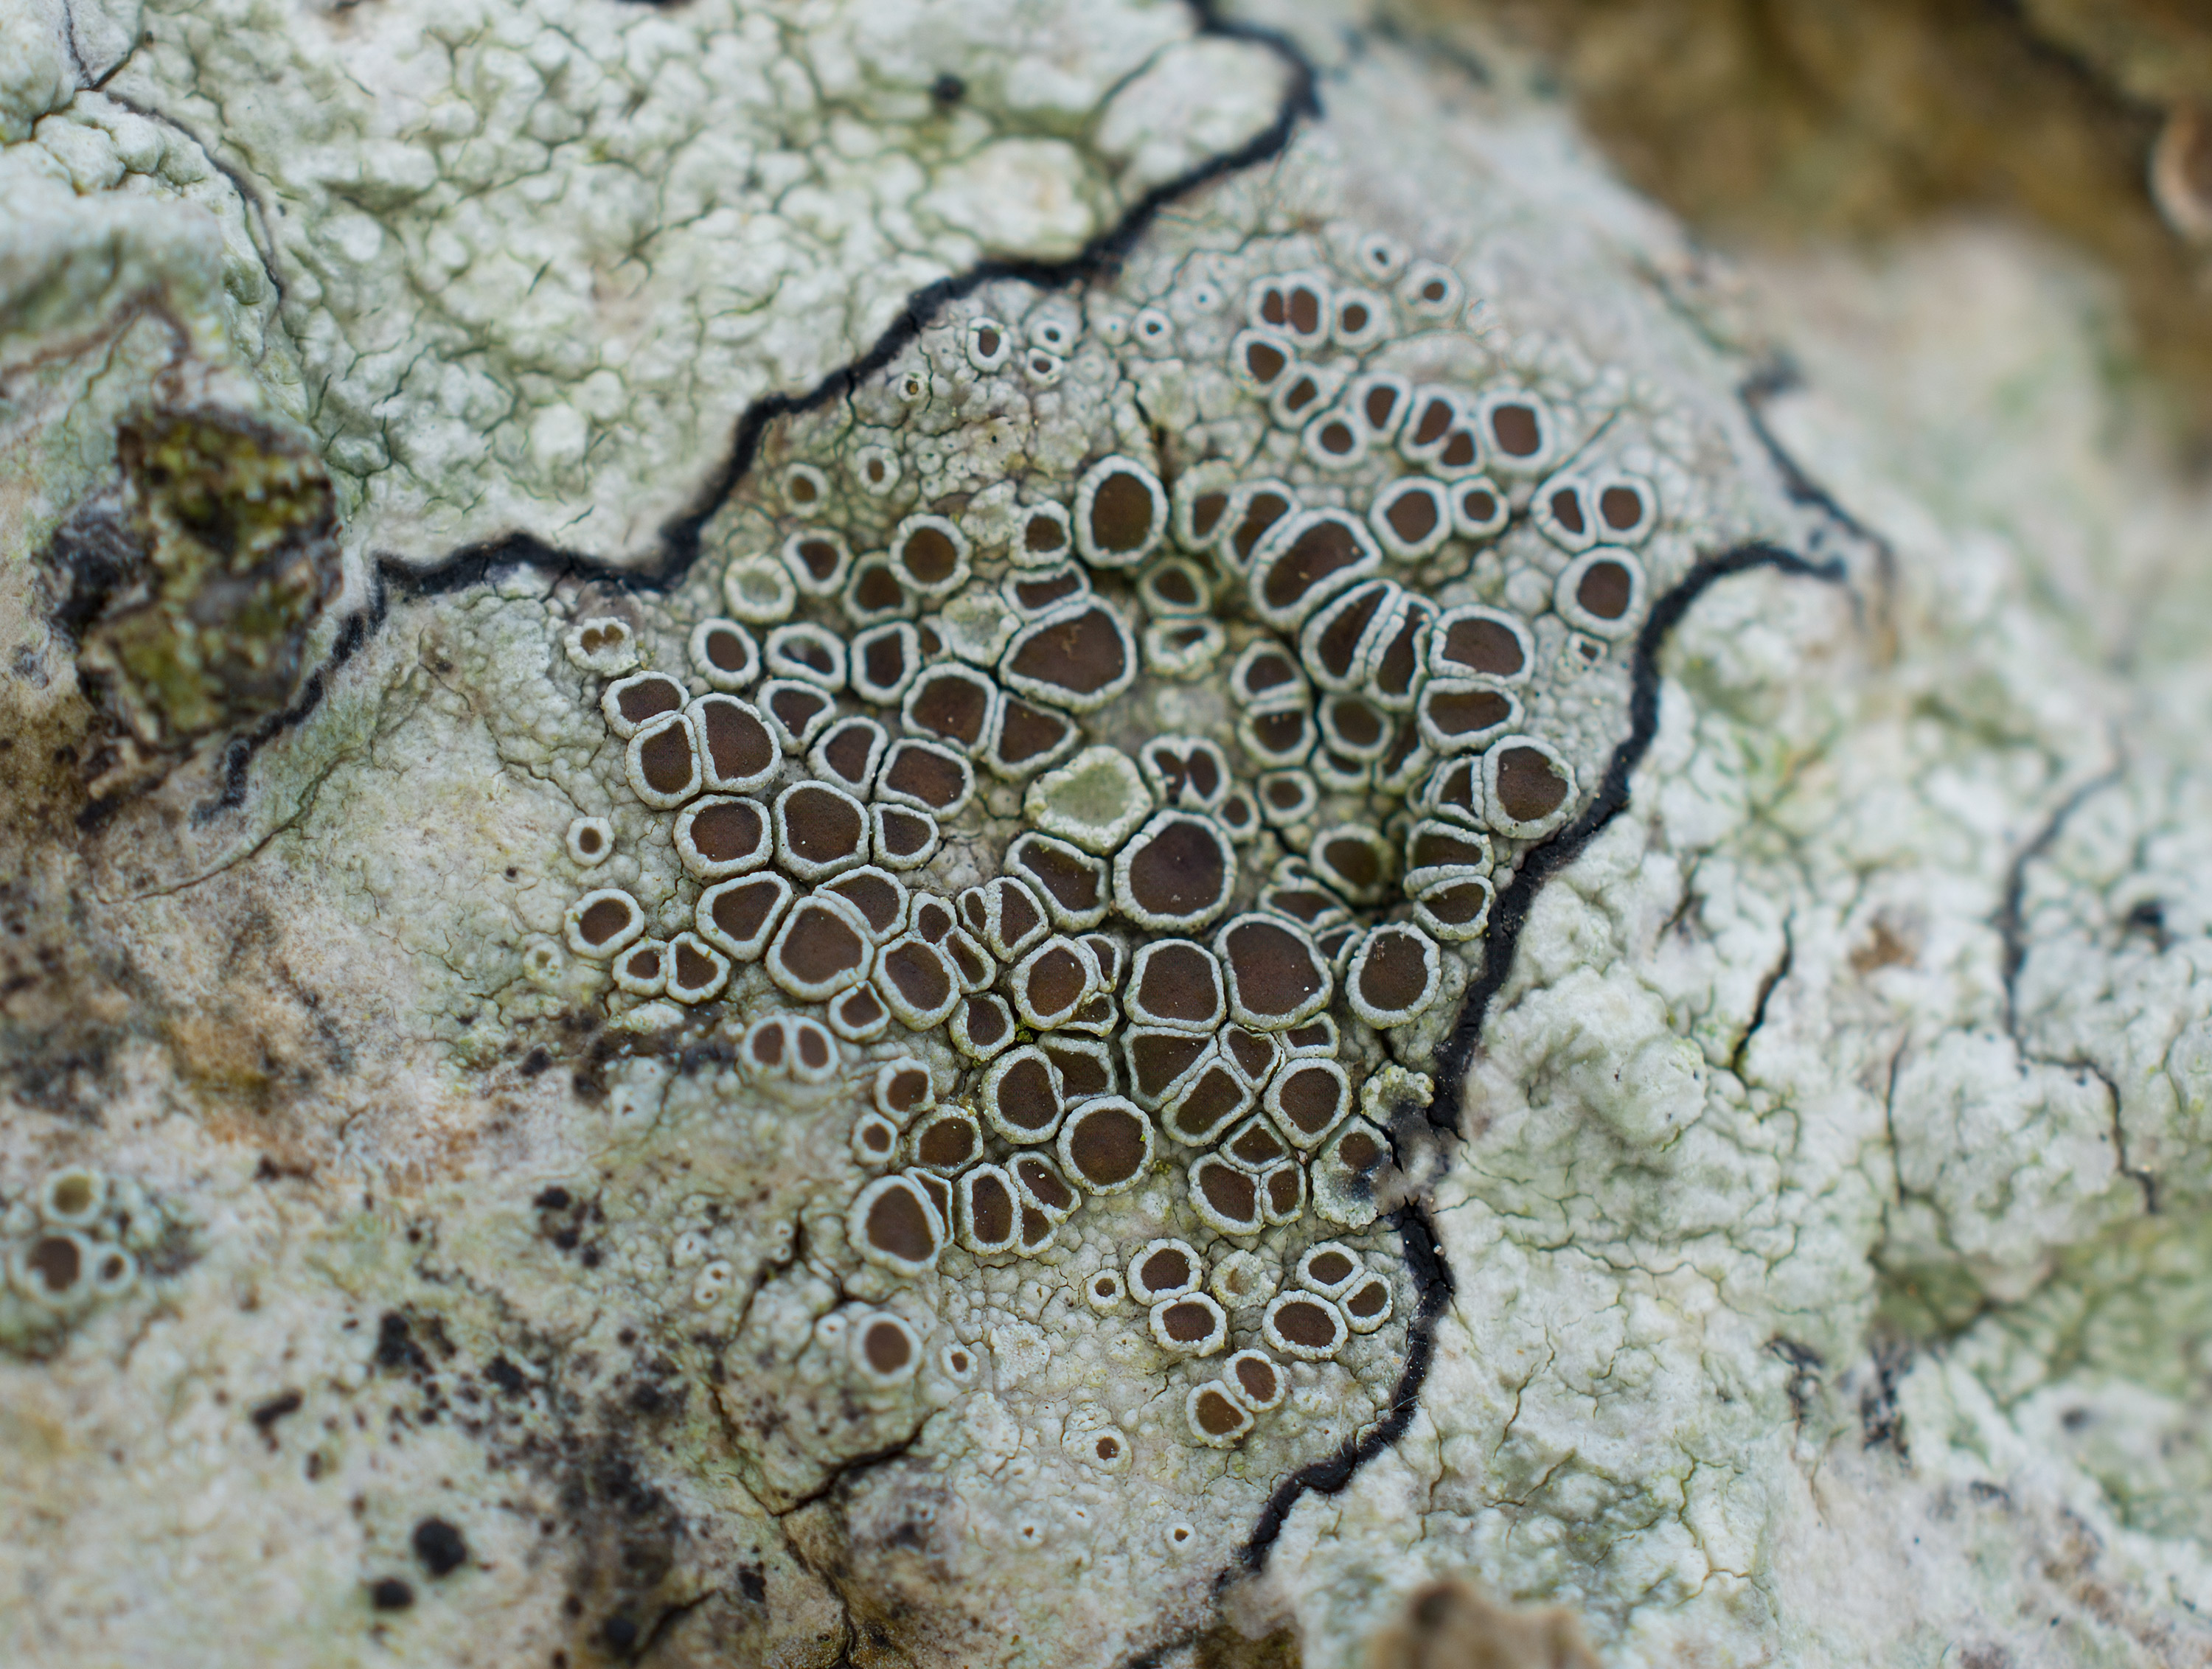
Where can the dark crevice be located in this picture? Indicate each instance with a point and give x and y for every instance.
(1881, 1420)
(2143, 1179)
(1755, 393)
(1432, 1280)
(1510, 913)
(1775, 975)
(1889, 1125)
(1806, 1366)
(859, 1465)
(265, 243)
(2099, 85)
(2011, 930)
(669, 1618)
(1424, 1258)
(70, 40)
(1439, 44)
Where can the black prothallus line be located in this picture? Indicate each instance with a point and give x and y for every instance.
(1425, 1259)
(471, 565)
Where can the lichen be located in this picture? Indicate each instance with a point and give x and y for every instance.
(193, 602)
(1053, 960)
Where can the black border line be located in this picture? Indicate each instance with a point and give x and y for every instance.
(1509, 915)
(679, 536)
(1100, 257)
(1779, 375)
(472, 565)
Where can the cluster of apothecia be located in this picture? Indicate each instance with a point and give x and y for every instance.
(915, 766)
(66, 1244)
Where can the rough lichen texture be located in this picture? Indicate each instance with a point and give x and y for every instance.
(1093, 838)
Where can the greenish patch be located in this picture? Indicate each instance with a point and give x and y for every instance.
(228, 530)
(1927, 1303)
(2108, 1363)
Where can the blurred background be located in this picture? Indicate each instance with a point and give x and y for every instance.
(1781, 127)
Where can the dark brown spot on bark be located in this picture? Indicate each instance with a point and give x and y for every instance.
(905, 832)
(1055, 982)
(1344, 623)
(1187, 1324)
(876, 589)
(796, 706)
(1328, 546)
(1330, 1268)
(1044, 1183)
(1484, 646)
(1082, 653)
(665, 759)
(1514, 429)
(1107, 1145)
(1158, 1059)
(1216, 1415)
(738, 745)
(649, 698)
(731, 830)
(1229, 1191)
(1528, 788)
(946, 1142)
(1311, 1097)
(986, 1021)
(1037, 595)
(741, 911)
(1356, 724)
(1412, 516)
(1122, 513)
(929, 775)
(898, 1222)
(887, 1347)
(56, 1261)
(952, 704)
(1180, 982)
(820, 945)
(990, 1209)
(1180, 870)
(1069, 878)
(1271, 968)
(1466, 712)
(1604, 590)
(821, 825)
(1306, 1323)
(883, 662)
(1023, 1095)
(920, 974)
(1166, 1271)
(1262, 512)
(819, 557)
(930, 556)
(1212, 1100)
